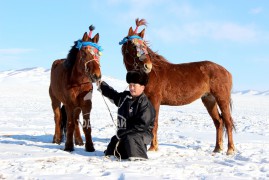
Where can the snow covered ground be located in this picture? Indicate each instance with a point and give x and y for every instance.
(186, 138)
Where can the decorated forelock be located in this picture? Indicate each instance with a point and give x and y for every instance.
(139, 43)
(95, 49)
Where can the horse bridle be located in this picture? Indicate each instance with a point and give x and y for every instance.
(135, 58)
(85, 64)
(86, 69)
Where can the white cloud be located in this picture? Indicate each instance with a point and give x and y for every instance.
(183, 10)
(234, 32)
(257, 10)
(13, 51)
(192, 32)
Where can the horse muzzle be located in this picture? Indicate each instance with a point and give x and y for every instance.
(147, 67)
(95, 77)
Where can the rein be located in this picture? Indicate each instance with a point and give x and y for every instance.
(94, 59)
(141, 49)
(135, 64)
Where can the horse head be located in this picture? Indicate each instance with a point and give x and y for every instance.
(88, 56)
(134, 49)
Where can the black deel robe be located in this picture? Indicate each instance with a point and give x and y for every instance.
(135, 122)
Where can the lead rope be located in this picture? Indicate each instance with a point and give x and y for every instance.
(109, 108)
(116, 151)
(109, 111)
(116, 147)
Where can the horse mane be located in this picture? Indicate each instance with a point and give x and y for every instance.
(156, 58)
(71, 57)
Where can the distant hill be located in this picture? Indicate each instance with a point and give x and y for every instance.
(39, 75)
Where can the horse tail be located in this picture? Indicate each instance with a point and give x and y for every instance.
(231, 108)
(64, 120)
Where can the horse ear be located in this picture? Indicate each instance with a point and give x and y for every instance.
(85, 37)
(95, 39)
(142, 33)
(131, 32)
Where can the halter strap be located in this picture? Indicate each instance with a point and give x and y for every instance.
(81, 44)
(129, 38)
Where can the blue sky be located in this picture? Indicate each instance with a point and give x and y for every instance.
(234, 34)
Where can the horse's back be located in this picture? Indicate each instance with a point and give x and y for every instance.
(214, 67)
(217, 73)
(193, 80)
(57, 67)
(56, 64)
(206, 66)
(209, 70)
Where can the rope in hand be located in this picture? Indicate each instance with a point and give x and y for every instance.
(116, 147)
(109, 111)
(108, 107)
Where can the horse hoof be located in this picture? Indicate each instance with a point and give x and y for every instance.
(90, 149)
(69, 149)
(230, 152)
(57, 141)
(153, 149)
(79, 143)
(217, 150)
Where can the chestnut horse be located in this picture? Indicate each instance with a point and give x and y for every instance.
(71, 85)
(181, 84)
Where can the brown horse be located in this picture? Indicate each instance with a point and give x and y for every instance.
(71, 85)
(181, 84)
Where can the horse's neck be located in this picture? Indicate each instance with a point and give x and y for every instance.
(82, 83)
(159, 64)
(78, 78)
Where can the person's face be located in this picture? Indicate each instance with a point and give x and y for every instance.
(136, 89)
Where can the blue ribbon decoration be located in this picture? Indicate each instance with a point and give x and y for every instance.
(81, 44)
(129, 38)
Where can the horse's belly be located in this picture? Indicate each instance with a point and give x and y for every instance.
(178, 99)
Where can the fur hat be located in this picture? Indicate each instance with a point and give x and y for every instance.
(137, 77)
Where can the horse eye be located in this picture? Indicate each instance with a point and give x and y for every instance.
(84, 52)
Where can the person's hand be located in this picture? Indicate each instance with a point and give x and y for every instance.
(98, 84)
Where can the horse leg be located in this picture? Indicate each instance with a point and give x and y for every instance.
(63, 122)
(86, 109)
(154, 143)
(224, 105)
(56, 105)
(77, 135)
(69, 144)
(211, 106)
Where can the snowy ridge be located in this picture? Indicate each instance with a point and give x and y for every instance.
(186, 137)
(38, 73)
(252, 92)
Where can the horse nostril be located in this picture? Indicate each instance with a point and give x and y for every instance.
(145, 65)
(148, 67)
(94, 76)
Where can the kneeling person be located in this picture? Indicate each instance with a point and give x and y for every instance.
(136, 117)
